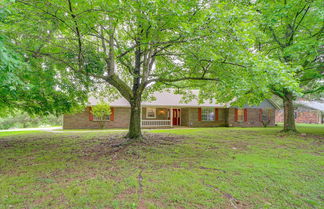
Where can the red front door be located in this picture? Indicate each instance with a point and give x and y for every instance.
(176, 117)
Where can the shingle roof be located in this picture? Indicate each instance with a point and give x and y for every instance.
(167, 99)
(317, 105)
(164, 98)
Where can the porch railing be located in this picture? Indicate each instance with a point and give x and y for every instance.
(155, 123)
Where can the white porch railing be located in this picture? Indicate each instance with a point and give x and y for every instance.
(155, 123)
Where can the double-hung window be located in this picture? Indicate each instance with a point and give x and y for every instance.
(150, 112)
(103, 118)
(208, 114)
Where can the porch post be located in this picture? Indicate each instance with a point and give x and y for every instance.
(171, 116)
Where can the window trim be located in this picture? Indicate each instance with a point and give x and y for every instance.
(154, 110)
(202, 113)
(100, 120)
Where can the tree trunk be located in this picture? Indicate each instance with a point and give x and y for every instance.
(289, 116)
(134, 131)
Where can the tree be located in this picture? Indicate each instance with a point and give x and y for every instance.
(142, 46)
(100, 111)
(30, 86)
(293, 35)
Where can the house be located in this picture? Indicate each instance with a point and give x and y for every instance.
(168, 110)
(305, 112)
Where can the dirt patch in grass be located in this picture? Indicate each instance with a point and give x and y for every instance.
(109, 145)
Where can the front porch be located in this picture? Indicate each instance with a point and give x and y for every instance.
(160, 117)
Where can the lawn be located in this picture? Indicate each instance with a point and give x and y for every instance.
(180, 168)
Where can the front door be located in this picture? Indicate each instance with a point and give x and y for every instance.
(176, 117)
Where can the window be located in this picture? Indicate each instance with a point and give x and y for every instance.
(104, 118)
(208, 114)
(240, 115)
(150, 112)
(266, 115)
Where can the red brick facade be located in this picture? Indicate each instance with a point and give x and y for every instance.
(302, 116)
(253, 118)
(189, 117)
(82, 121)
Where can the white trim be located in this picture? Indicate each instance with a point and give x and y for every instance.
(171, 116)
(155, 123)
(154, 110)
(95, 120)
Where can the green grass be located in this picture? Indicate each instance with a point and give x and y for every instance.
(202, 168)
(11, 133)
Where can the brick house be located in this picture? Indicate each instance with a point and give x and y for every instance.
(168, 110)
(305, 112)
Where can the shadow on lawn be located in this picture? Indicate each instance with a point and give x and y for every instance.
(104, 146)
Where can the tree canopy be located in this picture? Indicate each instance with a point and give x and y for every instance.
(293, 35)
(138, 47)
(28, 85)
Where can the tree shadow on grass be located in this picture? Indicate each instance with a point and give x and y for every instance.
(105, 146)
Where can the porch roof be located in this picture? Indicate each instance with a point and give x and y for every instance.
(162, 99)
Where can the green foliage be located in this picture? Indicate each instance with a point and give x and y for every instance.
(101, 110)
(138, 46)
(202, 168)
(293, 35)
(36, 87)
(23, 120)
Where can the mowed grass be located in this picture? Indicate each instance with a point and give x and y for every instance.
(189, 168)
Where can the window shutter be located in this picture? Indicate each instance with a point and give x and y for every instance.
(199, 114)
(90, 114)
(216, 113)
(112, 114)
(260, 115)
(245, 115)
(236, 115)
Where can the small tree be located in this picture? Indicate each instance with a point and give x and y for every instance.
(100, 111)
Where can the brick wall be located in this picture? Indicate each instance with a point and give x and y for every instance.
(253, 118)
(301, 116)
(193, 120)
(184, 117)
(81, 120)
(189, 117)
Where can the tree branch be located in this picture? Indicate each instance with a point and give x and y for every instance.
(78, 34)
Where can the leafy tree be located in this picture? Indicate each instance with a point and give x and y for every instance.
(139, 47)
(100, 111)
(33, 87)
(293, 35)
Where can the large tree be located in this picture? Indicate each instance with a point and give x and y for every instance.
(142, 46)
(293, 35)
(30, 86)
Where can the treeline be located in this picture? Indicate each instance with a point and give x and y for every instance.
(23, 120)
